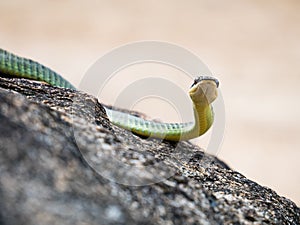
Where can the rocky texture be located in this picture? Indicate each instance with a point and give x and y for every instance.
(62, 162)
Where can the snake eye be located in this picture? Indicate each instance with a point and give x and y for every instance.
(195, 82)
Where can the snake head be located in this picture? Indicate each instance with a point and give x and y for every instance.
(204, 90)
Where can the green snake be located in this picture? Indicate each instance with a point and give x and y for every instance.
(202, 92)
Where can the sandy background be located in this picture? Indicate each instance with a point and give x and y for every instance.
(253, 47)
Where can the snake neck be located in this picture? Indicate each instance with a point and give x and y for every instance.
(204, 117)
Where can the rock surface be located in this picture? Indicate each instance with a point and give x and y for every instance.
(63, 162)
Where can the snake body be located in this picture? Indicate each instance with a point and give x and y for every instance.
(202, 92)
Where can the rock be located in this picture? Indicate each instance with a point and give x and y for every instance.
(63, 162)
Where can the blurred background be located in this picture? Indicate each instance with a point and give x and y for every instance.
(253, 46)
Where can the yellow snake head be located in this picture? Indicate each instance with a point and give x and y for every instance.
(204, 90)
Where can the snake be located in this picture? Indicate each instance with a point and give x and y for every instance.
(202, 92)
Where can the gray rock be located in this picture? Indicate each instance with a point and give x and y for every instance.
(63, 162)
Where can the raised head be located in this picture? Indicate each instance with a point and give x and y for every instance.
(204, 90)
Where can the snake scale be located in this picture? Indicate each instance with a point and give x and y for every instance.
(202, 92)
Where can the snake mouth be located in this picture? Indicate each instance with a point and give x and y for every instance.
(203, 78)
